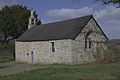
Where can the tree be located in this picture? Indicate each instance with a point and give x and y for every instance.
(110, 1)
(106, 1)
(13, 21)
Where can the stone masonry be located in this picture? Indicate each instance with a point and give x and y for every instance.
(67, 51)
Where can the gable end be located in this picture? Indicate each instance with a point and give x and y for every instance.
(96, 24)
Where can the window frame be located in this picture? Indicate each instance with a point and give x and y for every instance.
(88, 43)
(53, 46)
(32, 21)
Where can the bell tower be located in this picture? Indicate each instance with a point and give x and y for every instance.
(32, 19)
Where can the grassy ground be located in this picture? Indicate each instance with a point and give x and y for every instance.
(9, 68)
(70, 72)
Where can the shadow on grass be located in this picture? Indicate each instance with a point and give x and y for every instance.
(1, 67)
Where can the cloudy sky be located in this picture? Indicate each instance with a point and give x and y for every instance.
(107, 16)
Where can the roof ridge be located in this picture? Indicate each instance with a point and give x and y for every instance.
(67, 20)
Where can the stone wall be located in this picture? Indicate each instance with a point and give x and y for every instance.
(66, 51)
(43, 53)
(98, 49)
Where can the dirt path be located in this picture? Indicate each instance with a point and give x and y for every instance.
(14, 68)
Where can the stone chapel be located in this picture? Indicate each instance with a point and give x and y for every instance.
(73, 41)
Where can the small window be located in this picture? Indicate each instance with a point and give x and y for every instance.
(27, 53)
(53, 46)
(32, 21)
(85, 44)
(32, 52)
(88, 44)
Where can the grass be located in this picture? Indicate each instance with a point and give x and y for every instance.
(3, 67)
(70, 72)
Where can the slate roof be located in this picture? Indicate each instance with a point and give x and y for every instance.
(68, 29)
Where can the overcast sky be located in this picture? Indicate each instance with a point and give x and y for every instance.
(107, 16)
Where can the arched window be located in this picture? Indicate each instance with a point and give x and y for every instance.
(32, 21)
(88, 40)
(88, 44)
(85, 44)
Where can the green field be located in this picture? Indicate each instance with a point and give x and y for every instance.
(70, 72)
